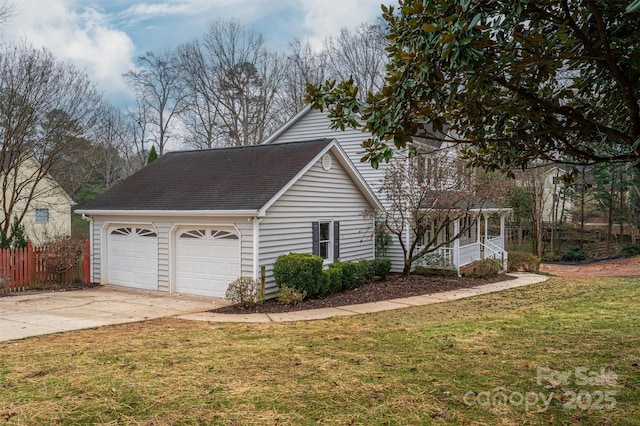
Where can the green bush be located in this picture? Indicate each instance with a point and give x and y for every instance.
(632, 250)
(523, 261)
(300, 271)
(382, 267)
(244, 292)
(367, 269)
(484, 268)
(574, 254)
(290, 296)
(349, 275)
(333, 277)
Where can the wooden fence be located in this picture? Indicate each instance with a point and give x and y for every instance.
(33, 267)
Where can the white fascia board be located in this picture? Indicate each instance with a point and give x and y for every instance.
(169, 212)
(492, 210)
(286, 125)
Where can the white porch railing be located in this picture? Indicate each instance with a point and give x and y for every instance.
(495, 251)
(493, 247)
(449, 256)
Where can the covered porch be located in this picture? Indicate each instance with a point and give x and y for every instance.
(484, 238)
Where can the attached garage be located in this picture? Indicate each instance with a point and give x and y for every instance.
(132, 256)
(207, 260)
(193, 222)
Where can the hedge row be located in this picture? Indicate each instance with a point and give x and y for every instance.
(304, 273)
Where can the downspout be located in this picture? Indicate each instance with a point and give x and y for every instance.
(256, 247)
(90, 220)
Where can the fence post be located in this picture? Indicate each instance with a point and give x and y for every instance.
(31, 263)
(86, 262)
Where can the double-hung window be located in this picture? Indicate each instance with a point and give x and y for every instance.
(42, 215)
(326, 240)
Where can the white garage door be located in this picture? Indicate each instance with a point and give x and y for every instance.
(207, 260)
(132, 257)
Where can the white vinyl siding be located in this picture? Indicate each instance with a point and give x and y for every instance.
(96, 250)
(318, 196)
(315, 125)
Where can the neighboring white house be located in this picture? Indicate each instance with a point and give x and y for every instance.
(477, 244)
(48, 206)
(194, 221)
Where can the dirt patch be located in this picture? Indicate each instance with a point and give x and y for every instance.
(629, 267)
(392, 288)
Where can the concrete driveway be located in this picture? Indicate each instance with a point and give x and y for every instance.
(43, 313)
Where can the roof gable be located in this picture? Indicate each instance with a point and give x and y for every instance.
(228, 179)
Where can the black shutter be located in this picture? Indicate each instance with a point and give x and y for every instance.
(315, 235)
(336, 240)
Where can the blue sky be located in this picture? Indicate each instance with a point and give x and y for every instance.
(103, 37)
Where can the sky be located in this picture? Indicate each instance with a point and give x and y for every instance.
(103, 37)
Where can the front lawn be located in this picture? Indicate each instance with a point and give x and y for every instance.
(573, 340)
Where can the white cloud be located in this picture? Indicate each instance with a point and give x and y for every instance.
(82, 36)
(326, 17)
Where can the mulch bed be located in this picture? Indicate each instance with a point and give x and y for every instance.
(49, 288)
(394, 287)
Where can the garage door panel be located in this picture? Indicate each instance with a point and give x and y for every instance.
(207, 260)
(132, 257)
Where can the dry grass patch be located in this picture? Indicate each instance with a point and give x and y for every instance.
(411, 366)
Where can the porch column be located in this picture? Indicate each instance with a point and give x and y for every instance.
(456, 244)
(486, 228)
(478, 226)
(502, 218)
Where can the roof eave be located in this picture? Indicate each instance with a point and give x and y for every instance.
(191, 213)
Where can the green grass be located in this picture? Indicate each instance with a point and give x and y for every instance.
(410, 366)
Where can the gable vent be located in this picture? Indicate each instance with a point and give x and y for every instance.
(326, 162)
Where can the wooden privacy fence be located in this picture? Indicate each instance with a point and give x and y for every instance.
(33, 267)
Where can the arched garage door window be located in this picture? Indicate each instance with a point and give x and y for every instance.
(207, 260)
(132, 257)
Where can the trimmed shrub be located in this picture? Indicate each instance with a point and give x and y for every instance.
(244, 292)
(290, 296)
(367, 269)
(631, 250)
(484, 268)
(574, 254)
(333, 276)
(382, 267)
(348, 274)
(301, 271)
(523, 261)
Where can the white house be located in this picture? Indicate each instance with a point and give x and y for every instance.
(478, 243)
(192, 222)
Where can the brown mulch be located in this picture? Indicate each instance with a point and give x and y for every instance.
(394, 287)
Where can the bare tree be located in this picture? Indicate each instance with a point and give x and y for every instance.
(202, 114)
(426, 194)
(302, 66)
(136, 150)
(6, 11)
(237, 78)
(46, 109)
(360, 54)
(109, 145)
(160, 92)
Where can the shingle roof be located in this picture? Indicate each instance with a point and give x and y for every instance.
(239, 178)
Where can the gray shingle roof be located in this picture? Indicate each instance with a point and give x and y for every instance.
(239, 178)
